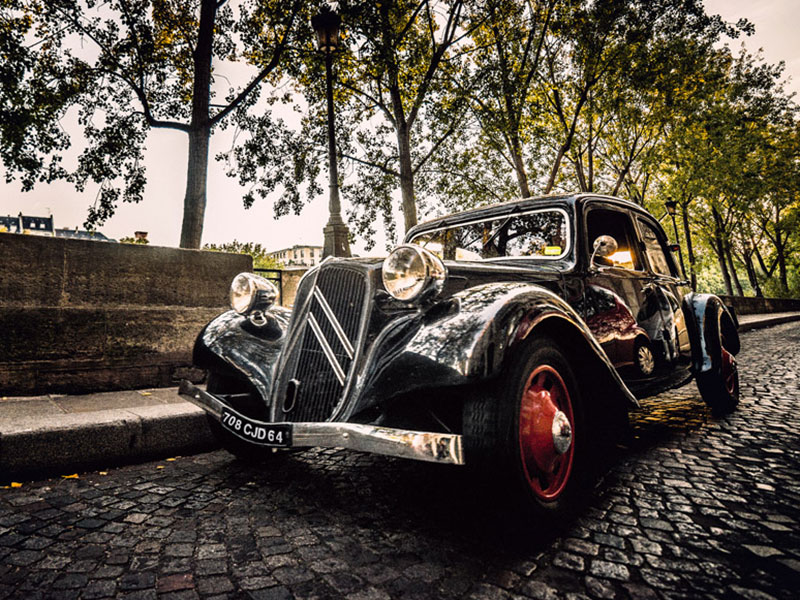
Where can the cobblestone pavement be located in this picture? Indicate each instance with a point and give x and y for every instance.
(694, 507)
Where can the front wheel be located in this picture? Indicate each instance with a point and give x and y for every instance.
(532, 432)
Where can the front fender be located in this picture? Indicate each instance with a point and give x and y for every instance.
(470, 341)
(231, 344)
(708, 321)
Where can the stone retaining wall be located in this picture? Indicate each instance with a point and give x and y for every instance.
(82, 316)
(756, 306)
(290, 277)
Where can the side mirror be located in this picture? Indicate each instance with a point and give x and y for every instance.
(605, 245)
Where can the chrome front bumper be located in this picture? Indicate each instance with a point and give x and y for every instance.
(420, 445)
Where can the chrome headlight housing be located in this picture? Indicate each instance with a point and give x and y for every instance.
(411, 272)
(250, 292)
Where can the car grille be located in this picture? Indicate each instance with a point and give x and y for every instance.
(328, 347)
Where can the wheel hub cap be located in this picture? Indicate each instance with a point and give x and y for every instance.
(546, 432)
(562, 432)
(729, 373)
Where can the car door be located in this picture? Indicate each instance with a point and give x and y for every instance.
(667, 290)
(615, 301)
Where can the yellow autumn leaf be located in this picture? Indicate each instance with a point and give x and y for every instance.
(145, 393)
(15, 484)
(73, 476)
(160, 467)
(170, 459)
(103, 472)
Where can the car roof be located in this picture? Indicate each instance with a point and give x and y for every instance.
(504, 208)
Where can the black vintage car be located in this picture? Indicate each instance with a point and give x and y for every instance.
(514, 337)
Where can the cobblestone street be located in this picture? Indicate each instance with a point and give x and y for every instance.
(694, 506)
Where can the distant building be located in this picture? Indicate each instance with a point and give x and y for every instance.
(31, 225)
(81, 234)
(306, 256)
(27, 224)
(10, 224)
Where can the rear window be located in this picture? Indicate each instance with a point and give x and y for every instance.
(541, 234)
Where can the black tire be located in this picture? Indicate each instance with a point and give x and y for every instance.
(719, 386)
(241, 449)
(505, 432)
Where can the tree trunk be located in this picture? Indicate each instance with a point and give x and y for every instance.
(780, 248)
(719, 250)
(519, 167)
(590, 158)
(556, 165)
(406, 177)
(194, 202)
(689, 248)
(578, 162)
(751, 273)
(567, 142)
(732, 267)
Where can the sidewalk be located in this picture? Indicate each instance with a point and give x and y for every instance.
(45, 434)
(748, 322)
(51, 433)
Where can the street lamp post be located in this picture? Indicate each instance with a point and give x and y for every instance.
(671, 206)
(326, 25)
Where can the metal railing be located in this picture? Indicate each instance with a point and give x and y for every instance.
(276, 277)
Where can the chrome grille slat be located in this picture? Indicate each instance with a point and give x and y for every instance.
(326, 355)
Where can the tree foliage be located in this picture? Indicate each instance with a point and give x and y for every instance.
(261, 257)
(440, 105)
(127, 66)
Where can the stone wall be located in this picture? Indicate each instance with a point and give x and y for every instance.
(755, 306)
(80, 316)
(290, 277)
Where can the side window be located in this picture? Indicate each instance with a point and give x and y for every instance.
(617, 224)
(655, 250)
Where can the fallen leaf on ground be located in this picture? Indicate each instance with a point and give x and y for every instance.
(73, 476)
(145, 393)
(15, 484)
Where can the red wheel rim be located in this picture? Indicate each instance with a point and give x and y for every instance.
(546, 469)
(729, 373)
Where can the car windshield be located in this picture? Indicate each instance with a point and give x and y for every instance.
(540, 234)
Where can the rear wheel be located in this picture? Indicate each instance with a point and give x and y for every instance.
(719, 386)
(530, 435)
(644, 359)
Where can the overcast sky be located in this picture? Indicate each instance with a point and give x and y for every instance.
(161, 212)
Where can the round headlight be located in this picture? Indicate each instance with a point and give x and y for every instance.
(250, 292)
(410, 272)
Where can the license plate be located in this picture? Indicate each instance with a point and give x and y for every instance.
(256, 432)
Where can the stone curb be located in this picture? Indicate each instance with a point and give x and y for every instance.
(105, 437)
(768, 322)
